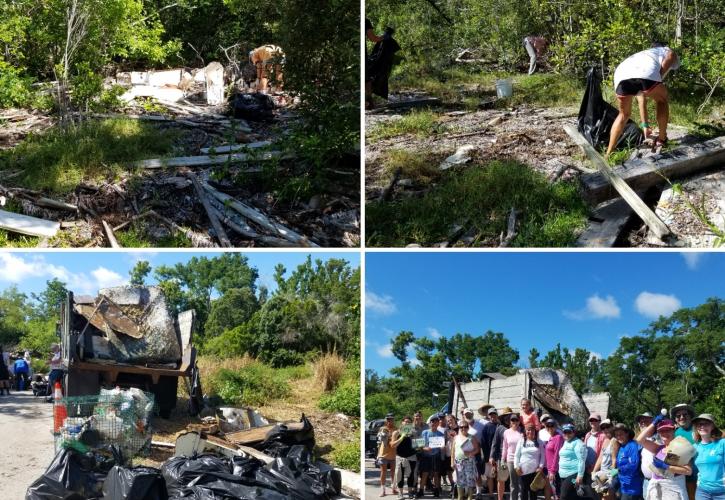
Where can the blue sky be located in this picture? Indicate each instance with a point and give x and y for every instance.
(580, 299)
(86, 272)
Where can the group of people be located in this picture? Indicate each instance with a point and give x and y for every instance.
(538, 455)
(16, 373)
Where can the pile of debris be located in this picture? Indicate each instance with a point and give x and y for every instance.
(17, 124)
(280, 467)
(191, 197)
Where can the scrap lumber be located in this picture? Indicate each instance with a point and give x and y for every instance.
(606, 224)
(218, 228)
(643, 173)
(109, 234)
(230, 148)
(510, 229)
(204, 161)
(627, 193)
(259, 218)
(25, 224)
(36, 199)
(197, 240)
(249, 436)
(240, 227)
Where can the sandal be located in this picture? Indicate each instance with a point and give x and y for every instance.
(659, 143)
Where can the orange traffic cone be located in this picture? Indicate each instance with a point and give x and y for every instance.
(59, 411)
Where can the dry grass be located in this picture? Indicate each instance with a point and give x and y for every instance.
(329, 370)
(209, 365)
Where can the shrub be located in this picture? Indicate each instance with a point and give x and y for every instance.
(346, 455)
(14, 87)
(345, 399)
(329, 369)
(39, 366)
(253, 386)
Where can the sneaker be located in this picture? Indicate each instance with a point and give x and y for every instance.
(419, 494)
(436, 492)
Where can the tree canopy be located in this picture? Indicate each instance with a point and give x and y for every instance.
(676, 359)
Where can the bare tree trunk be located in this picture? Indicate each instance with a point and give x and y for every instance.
(76, 28)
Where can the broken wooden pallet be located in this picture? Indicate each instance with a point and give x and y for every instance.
(653, 222)
(643, 173)
(606, 224)
(24, 224)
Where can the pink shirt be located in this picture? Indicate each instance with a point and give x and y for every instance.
(553, 446)
(510, 440)
(531, 418)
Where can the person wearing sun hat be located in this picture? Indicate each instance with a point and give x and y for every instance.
(497, 460)
(710, 459)
(606, 461)
(643, 420)
(668, 481)
(488, 435)
(682, 414)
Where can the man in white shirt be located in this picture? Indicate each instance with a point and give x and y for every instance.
(641, 74)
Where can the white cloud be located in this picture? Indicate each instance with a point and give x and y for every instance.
(654, 305)
(596, 308)
(15, 268)
(594, 355)
(380, 304)
(414, 362)
(385, 351)
(692, 259)
(434, 333)
(106, 278)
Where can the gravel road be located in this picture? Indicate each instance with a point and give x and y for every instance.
(27, 439)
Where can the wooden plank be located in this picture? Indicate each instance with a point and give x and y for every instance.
(124, 368)
(606, 224)
(218, 228)
(249, 436)
(24, 224)
(109, 234)
(643, 173)
(229, 148)
(204, 161)
(653, 222)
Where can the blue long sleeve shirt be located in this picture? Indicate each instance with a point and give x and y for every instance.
(628, 462)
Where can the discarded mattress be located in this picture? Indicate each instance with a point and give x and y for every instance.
(137, 323)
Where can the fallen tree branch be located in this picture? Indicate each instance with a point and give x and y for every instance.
(109, 234)
(221, 234)
(388, 191)
(203, 161)
(197, 240)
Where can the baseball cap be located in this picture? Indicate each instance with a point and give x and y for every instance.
(665, 424)
(595, 416)
(492, 410)
(467, 410)
(567, 428)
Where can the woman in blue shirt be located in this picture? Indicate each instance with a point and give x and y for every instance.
(630, 478)
(572, 459)
(710, 459)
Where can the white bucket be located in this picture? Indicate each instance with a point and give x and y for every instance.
(504, 88)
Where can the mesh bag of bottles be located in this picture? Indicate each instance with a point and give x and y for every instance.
(114, 417)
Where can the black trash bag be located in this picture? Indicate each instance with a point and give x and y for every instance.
(318, 472)
(138, 483)
(255, 107)
(280, 438)
(69, 473)
(381, 62)
(208, 477)
(405, 448)
(596, 117)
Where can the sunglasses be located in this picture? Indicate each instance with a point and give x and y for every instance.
(463, 427)
(681, 415)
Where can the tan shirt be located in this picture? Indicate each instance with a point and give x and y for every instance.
(265, 53)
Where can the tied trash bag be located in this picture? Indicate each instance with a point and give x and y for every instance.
(281, 438)
(596, 117)
(381, 62)
(322, 479)
(139, 483)
(254, 107)
(69, 473)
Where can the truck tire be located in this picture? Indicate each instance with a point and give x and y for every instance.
(165, 395)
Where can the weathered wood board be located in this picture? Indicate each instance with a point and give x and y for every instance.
(644, 173)
(606, 224)
(24, 224)
(203, 161)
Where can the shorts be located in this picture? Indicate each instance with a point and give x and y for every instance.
(386, 461)
(430, 463)
(635, 86)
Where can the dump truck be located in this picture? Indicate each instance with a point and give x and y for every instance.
(550, 391)
(127, 337)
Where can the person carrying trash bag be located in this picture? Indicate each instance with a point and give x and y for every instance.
(668, 481)
(682, 414)
(642, 74)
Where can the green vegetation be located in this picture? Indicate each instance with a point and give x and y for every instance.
(415, 165)
(345, 399)
(136, 237)
(675, 359)
(481, 198)
(419, 123)
(346, 454)
(58, 160)
(253, 385)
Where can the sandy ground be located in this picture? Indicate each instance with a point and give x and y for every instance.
(27, 439)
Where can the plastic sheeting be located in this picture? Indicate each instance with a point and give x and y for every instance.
(596, 117)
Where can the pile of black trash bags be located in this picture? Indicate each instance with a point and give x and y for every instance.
(292, 475)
